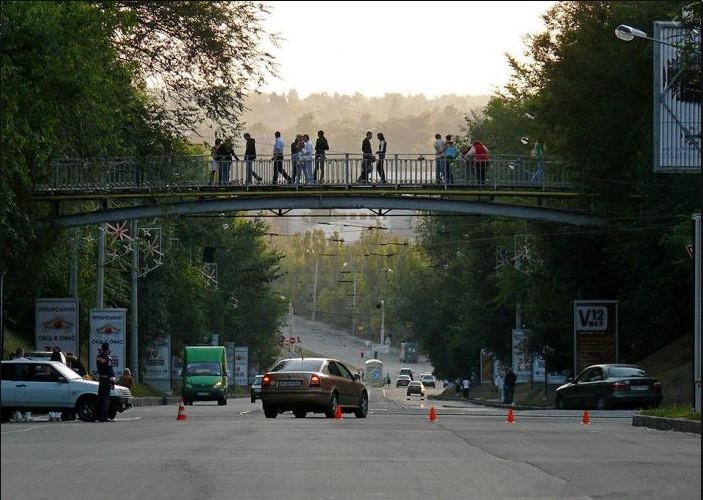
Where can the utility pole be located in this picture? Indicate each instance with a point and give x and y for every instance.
(383, 322)
(73, 273)
(100, 282)
(314, 289)
(134, 277)
(354, 305)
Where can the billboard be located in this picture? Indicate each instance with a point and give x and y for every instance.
(108, 325)
(595, 333)
(156, 359)
(677, 98)
(56, 324)
(229, 348)
(522, 364)
(241, 365)
(487, 359)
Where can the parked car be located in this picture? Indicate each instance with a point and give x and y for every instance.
(402, 381)
(406, 371)
(318, 385)
(256, 388)
(43, 386)
(45, 356)
(416, 387)
(427, 380)
(609, 386)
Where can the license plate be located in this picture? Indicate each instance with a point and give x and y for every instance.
(288, 383)
(203, 394)
(639, 387)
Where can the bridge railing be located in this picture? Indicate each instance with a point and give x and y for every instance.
(342, 170)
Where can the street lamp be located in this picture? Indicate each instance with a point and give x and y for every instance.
(628, 33)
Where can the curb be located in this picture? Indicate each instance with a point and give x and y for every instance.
(667, 424)
(165, 400)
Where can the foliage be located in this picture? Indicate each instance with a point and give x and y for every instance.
(674, 411)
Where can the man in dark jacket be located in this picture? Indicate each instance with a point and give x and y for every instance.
(106, 381)
(367, 162)
(509, 381)
(320, 147)
(223, 156)
(249, 157)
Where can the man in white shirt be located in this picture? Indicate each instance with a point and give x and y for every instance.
(278, 147)
(439, 147)
(465, 385)
(307, 159)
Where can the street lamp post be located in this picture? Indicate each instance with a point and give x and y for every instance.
(383, 322)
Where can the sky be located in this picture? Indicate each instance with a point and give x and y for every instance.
(430, 48)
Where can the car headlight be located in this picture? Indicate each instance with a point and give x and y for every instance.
(189, 386)
(218, 385)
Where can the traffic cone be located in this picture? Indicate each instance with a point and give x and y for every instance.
(511, 417)
(586, 419)
(338, 413)
(433, 415)
(181, 411)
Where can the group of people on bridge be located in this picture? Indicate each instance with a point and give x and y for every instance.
(303, 155)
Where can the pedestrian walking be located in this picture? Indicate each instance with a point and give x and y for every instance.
(225, 155)
(278, 147)
(465, 386)
(249, 157)
(509, 382)
(106, 381)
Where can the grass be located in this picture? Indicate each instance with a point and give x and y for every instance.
(673, 411)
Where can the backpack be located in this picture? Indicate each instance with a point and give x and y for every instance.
(450, 152)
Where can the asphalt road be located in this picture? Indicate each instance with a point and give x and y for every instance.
(233, 452)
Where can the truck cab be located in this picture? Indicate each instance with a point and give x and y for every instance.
(204, 374)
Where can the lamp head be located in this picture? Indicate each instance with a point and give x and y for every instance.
(627, 33)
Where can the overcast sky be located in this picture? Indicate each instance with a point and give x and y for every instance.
(375, 48)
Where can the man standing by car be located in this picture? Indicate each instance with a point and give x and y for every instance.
(510, 379)
(106, 380)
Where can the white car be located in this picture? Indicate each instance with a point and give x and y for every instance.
(402, 381)
(44, 386)
(427, 380)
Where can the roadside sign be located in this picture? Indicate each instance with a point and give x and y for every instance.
(689, 250)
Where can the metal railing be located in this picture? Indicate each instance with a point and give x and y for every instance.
(338, 170)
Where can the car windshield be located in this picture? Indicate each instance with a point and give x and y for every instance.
(203, 368)
(298, 365)
(66, 372)
(626, 371)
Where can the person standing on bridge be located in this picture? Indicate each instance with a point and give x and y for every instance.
(538, 154)
(296, 148)
(307, 159)
(367, 162)
(278, 147)
(478, 154)
(321, 146)
(381, 156)
(439, 147)
(225, 153)
(249, 157)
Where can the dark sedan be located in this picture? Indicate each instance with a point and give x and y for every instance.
(609, 386)
(319, 385)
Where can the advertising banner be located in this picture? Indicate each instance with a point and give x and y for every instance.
(538, 368)
(56, 324)
(241, 365)
(595, 333)
(229, 347)
(108, 325)
(487, 358)
(156, 357)
(522, 364)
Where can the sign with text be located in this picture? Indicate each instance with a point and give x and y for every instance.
(595, 333)
(156, 359)
(241, 365)
(229, 348)
(56, 324)
(108, 325)
(487, 359)
(522, 362)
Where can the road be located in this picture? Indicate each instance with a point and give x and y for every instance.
(233, 452)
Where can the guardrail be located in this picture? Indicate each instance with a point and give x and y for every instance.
(339, 170)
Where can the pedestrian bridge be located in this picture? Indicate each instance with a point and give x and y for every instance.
(508, 186)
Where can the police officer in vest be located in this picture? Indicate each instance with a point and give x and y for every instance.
(106, 381)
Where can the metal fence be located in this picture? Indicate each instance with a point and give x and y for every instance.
(339, 170)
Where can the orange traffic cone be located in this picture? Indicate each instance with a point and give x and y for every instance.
(511, 417)
(181, 411)
(433, 415)
(338, 413)
(586, 419)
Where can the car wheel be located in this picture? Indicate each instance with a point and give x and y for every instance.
(560, 403)
(363, 409)
(601, 403)
(300, 413)
(270, 412)
(332, 406)
(86, 409)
